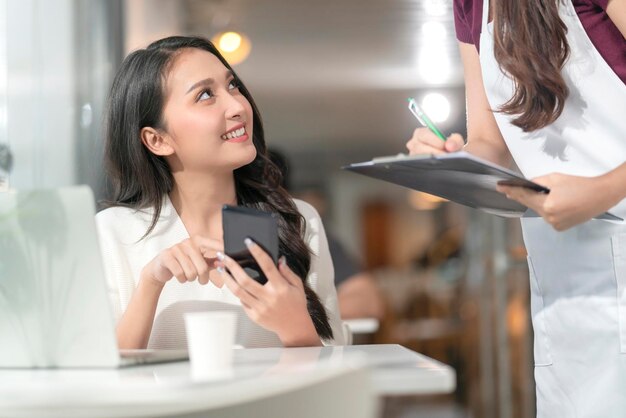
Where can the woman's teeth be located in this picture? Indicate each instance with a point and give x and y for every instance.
(235, 134)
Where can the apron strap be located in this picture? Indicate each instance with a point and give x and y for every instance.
(485, 19)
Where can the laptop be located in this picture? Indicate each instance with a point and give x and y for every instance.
(54, 307)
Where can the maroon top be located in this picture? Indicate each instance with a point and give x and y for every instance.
(603, 33)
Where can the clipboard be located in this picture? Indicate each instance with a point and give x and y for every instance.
(458, 176)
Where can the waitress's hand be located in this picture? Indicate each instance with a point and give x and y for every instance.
(191, 259)
(572, 199)
(280, 305)
(424, 141)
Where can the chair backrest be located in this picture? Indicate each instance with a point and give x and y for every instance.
(347, 332)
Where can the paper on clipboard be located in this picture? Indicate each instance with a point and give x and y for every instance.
(459, 176)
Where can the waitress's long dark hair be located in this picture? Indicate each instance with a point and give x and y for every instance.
(142, 179)
(530, 45)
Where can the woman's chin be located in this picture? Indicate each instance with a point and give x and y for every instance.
(246, 159)
(252, 154)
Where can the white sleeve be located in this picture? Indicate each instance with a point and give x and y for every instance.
(321, 276)
(118, 276)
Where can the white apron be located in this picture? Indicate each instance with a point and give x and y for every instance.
(577, 277)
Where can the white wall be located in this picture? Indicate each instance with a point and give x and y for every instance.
(149, 20)
(3, 86)
(57, 60)
(39, 92)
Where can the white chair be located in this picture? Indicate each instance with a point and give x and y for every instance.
(347, 332)
(361, 326)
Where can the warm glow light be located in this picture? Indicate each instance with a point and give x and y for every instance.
(517, 318)
(229, 41)
(424, 201)
(235, 47)
(436, 106)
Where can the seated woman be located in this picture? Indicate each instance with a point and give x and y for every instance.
(183, 138)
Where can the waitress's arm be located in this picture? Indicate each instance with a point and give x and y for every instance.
(572, 199)
(615, 185)
(483, 135)
(569, 203)
(616, 10)
(484, 138)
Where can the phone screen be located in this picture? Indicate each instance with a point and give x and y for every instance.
(240, 223)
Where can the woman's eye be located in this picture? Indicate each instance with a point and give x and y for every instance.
(233, 85)
(205, 95)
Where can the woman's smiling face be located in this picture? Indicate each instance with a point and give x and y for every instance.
(207, 121)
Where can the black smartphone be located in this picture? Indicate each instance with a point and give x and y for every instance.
(240, 223)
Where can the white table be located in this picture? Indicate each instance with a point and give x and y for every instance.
(394, 370)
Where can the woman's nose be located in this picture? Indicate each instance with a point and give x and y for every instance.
(234, 107)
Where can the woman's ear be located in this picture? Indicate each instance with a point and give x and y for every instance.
(155, 142)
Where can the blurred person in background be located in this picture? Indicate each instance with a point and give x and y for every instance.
(546, 88)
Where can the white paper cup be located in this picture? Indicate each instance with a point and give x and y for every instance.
(210, 340)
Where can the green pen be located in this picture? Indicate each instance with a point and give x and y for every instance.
(423, 118)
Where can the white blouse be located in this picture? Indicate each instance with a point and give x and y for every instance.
(125, 255)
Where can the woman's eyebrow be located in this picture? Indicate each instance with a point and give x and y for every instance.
(207, 81)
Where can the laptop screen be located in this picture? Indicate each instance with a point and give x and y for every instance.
(54, 310)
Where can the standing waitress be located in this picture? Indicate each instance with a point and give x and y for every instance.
(546, 85)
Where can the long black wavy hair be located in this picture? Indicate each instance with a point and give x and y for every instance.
(142, 179)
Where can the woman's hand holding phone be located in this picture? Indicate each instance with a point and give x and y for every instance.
(280, 305)
(191, 259)
(424, 141)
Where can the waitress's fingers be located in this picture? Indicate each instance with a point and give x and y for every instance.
(424, 141)
(242, 294)
(419, 148)
(525, 196)
(454, 143)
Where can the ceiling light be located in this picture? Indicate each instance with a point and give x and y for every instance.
(436, 7)
(436, 106)
(229, 41)
(433, 32)
(434, 64)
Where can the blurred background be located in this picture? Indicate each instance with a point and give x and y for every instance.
(331, 79)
